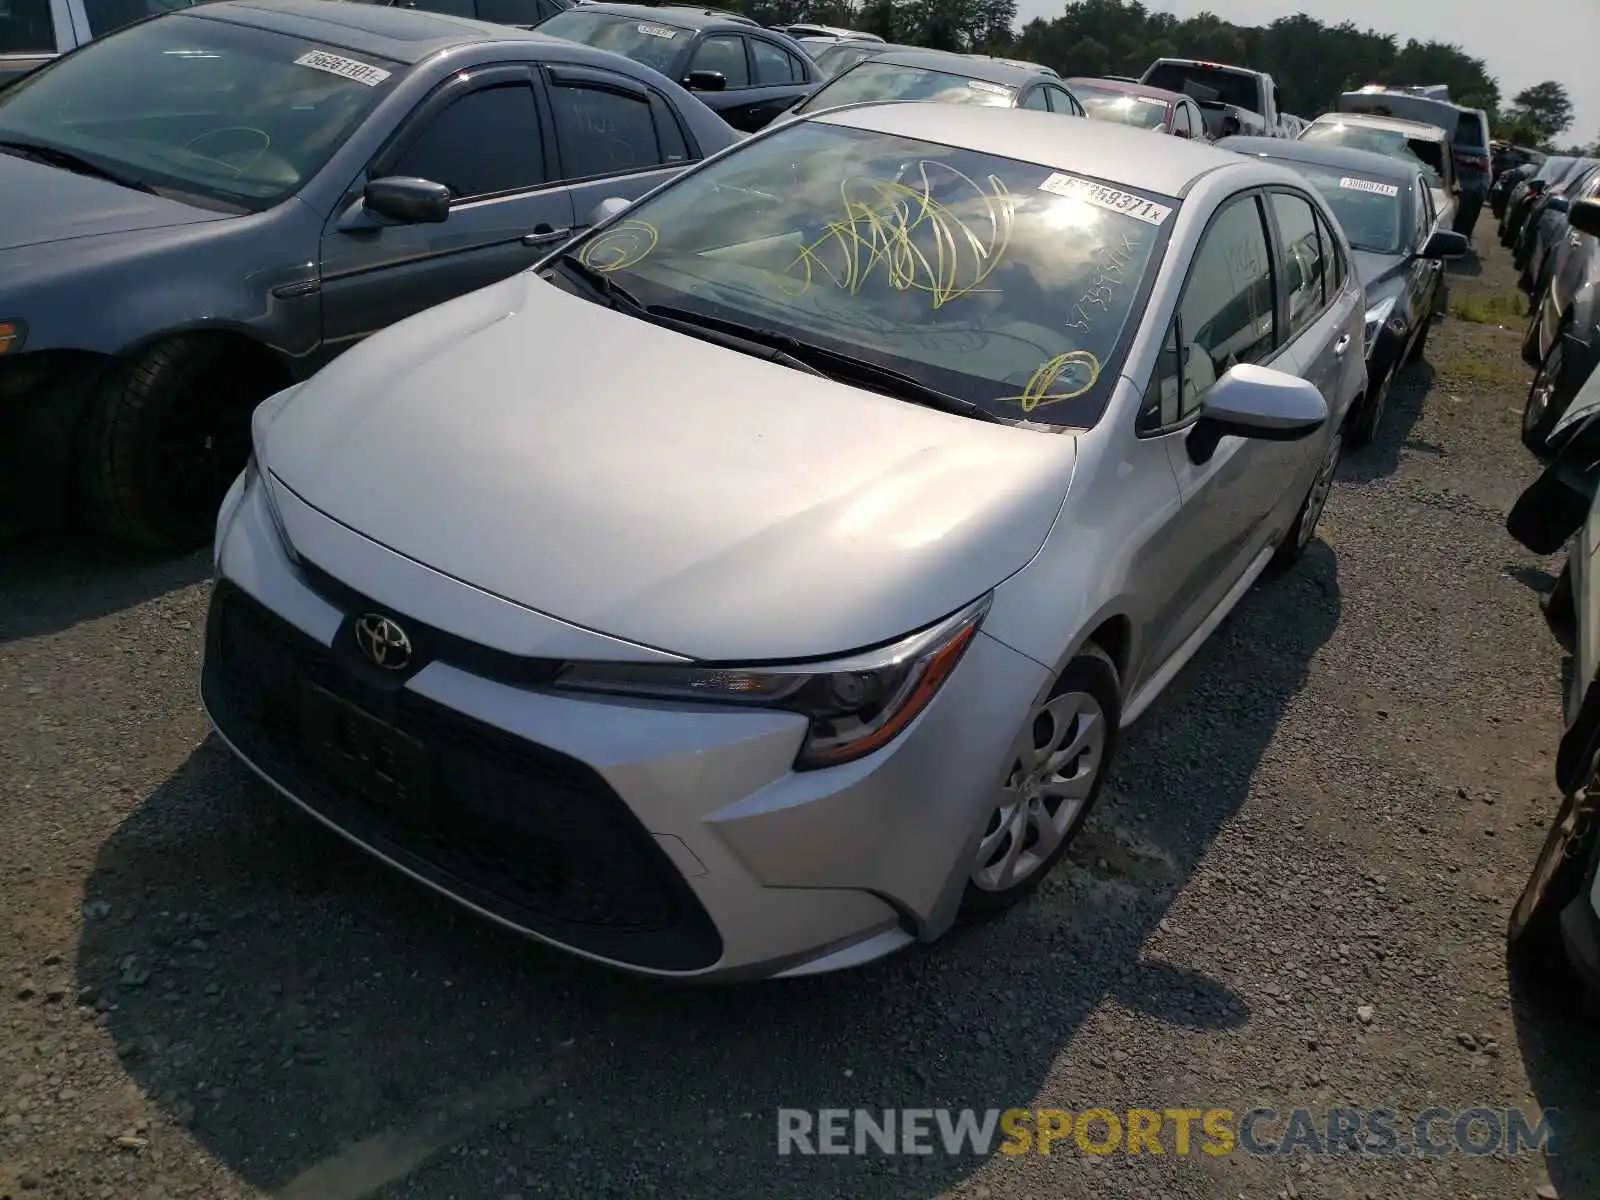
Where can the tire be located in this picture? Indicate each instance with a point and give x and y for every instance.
(1530, 337)
(168, 431)
(1561, 610)
(1414, 355)
(1295, 542)
(1364, 430)
(1084, 706)
(1543, 408)
(1535, 955)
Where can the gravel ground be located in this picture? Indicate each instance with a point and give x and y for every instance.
(1293, 893)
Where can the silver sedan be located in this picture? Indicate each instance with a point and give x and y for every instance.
(761, 583)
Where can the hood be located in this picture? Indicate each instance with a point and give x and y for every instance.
(657, 488)
(1379, 273)
(48, 204)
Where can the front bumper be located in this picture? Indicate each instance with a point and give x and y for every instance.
(660, 839)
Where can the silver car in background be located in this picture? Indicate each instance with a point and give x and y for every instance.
(762, 582)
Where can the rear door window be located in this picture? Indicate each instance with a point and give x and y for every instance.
(604, 132)
(108, 15)
(26, 28)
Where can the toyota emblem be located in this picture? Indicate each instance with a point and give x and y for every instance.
(384, 643)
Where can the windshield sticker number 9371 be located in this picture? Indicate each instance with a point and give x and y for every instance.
(1109, 198)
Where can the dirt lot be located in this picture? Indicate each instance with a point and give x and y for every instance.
(1293, 894)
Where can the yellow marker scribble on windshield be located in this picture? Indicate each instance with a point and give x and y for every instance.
(921, 244)
(1038, 391)
(621, 246)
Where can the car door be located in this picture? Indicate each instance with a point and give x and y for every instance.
(1324, 323)
(482, 135)
(1424, 276)
(614, 137)
(778, 78)
(1226, 314)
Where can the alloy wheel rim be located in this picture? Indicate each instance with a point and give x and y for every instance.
(1053, 771)
(1320, 489)
(1544, 388)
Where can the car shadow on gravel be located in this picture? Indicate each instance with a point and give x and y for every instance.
(329, 1031)
(1561, 1054)
(1408, 395)
(49, 582)
(1468, 266)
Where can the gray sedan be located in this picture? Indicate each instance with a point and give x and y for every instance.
(942, 439)
(203, 208)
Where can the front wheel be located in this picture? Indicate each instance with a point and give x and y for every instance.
(1365, 429)
(1293, 547)
(1534, 949)
(167, 434)
(1058, 763)
(1543, 408)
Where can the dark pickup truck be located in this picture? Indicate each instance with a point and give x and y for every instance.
(32, 32)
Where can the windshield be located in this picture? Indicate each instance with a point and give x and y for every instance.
(1106, 105)
(1428, 157)
(1238, 88)
(997, 281)
(872, 80)
(1370, 209)
(648, 42)
(200, 110)
(841, 58)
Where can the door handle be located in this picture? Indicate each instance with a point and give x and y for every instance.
(1342, 344)
(543, 235)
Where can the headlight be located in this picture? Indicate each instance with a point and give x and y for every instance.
(856, 705)
(12, 334)
(1376, 316)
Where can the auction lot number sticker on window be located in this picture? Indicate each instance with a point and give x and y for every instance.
(1368, 185)
(346, 68)
(1110, 198)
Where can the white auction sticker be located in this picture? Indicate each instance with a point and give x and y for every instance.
(983, 85)
(1367, 185)
(345, 68)
(1109, 198)
(660, 31)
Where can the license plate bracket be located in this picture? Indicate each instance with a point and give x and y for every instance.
(389, 770)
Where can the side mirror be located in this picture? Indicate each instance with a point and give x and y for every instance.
(706, 81)
(1251, 401)
(408, 201)
(1558, 204)
(606, 209)
(1584, 216)
(1445, 243)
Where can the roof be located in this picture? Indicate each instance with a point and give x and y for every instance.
(1118, 153)
(969, 66)
(1416, 129)
(404, 35)
(1321, 154)
(1143, 90)
(682, 18)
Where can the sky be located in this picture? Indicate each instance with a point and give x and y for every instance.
(1561, 46)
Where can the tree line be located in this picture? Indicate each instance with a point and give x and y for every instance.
(1312, 62)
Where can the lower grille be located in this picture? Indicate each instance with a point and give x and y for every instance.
(535, 837)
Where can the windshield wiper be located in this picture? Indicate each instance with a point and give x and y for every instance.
(76, 163)
(835, 364)
(601, 282)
